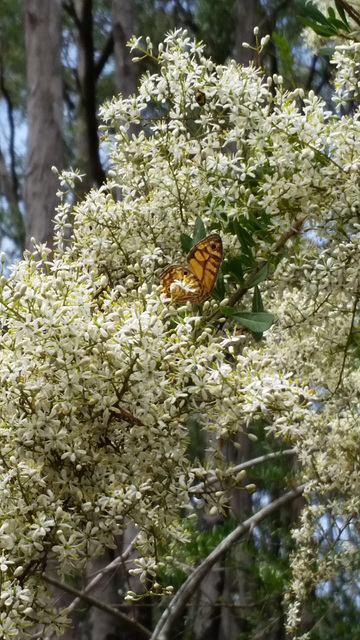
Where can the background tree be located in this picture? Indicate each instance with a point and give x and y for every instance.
(44, 116)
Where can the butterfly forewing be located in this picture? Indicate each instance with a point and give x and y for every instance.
(204, 261)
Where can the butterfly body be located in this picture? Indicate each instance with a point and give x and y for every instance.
(195, 283)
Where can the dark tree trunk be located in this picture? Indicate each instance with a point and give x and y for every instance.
(87, 132)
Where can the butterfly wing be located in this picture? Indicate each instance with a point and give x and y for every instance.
(204, 261)
(191, 290)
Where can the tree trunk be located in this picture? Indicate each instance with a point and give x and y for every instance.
(88, 159)
(123, 28)
(44, 111)
(244, 31)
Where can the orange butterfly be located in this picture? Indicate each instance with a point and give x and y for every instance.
(194, 284)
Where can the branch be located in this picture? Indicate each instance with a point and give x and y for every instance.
(348, 341)
(312, 70)
(125, 384)
(87, 80)
(245, 465)
(70, 10)
(173, 611)
(128, 622)
(6, 184)
(10, 110)
(104, 55)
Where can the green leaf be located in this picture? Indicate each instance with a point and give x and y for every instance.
(199, 231)
(338, 24)
(248, 263)
(255, 223)
(196, 443)
(244, 237)
(233, 266)
(257, 322)
(341, 12)
(257, 306)
(326, 32)
(186, 242)
(260, 276)
(257, 303)
(219, 287)
(283, 47)
(327, 50)
(341, 24)
(227, 311)
(311, 11)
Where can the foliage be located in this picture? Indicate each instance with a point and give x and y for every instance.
(215, 24)
(328, 22)
(12, 60)
(100, 371)
(326, 26)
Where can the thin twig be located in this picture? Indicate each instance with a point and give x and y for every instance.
(244, 465)
(348, 341)
(128, 622)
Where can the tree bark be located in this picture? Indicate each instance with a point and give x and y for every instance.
(123, 28)
(244, 31)
(44, 112)
(87, 131)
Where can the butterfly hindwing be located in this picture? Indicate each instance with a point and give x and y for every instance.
(193, 291)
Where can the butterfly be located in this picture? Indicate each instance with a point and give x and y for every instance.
(194, 284)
